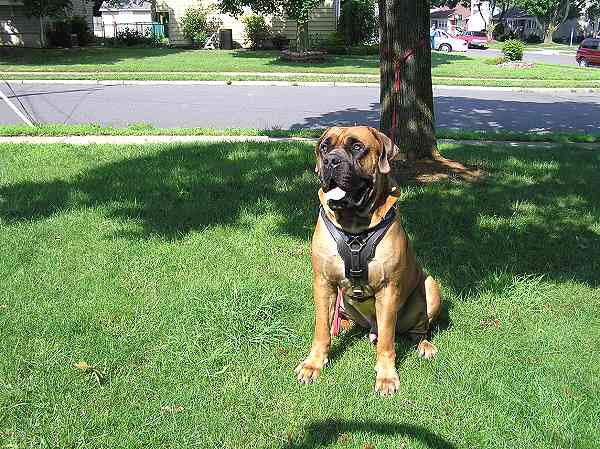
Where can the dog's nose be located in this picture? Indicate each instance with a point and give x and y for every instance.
(332, 160)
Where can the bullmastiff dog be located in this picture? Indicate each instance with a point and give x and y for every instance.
(383, 287)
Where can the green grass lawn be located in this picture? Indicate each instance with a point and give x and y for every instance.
(466, 70)
(182, 275)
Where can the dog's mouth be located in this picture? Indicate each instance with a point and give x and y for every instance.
(339, 199)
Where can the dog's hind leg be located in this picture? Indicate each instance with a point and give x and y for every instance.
(430, 293)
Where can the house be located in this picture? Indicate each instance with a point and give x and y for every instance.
(132, 14)
(170, 12)
(525, 25)
(18, 30)
(452, 20)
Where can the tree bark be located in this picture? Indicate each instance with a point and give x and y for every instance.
(548, 35)
(302, 35)
(404, 29)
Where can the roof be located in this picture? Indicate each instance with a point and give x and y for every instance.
(135, 5)
(514, 13)
(445, 12)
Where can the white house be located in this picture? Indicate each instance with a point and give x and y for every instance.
(132, 14)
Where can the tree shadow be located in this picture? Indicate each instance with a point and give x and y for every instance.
(320, 434)
(533, 214)
(334, 61)
(180, 189)
(480, 114)
(93, 56)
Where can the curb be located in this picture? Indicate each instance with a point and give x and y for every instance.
(277, 83)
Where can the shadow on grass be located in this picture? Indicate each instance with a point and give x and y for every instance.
(353, 61)
(92, 56)
(320, 434)
(534, 215)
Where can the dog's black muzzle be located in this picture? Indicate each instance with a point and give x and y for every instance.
(339, 170)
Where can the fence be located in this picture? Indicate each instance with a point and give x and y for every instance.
(149, 30)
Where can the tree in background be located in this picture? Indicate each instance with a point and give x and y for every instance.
(44, 9)
(298, 10)
(550, 13)
(358, 21)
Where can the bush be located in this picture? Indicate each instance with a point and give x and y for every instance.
(59, 32)
(498, 32)
(130, 37)
(196, 25)
(496, 60)
(358, 22)
(533, 39)
(513, 50)
(80, 27)
(280, 41)
(256, 29)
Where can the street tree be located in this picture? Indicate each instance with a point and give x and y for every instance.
(44, 9)
(406, 94)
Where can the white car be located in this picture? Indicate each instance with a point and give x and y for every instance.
(442, 41)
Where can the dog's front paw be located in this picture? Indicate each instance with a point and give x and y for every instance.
(309, 369)
(387, 382)
(426, 349)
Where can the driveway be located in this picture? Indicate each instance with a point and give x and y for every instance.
(222, 106)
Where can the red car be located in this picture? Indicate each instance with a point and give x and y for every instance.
(474, 38)
(588, 53)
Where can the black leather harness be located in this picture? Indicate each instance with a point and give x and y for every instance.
(356, 250)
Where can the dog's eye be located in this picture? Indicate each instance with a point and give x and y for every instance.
(357, 147)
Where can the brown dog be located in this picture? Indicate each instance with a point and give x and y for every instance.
(395, 296)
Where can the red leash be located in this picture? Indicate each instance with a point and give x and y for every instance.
(337, 316)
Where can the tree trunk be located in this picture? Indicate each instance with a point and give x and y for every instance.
(404, 29)
(548, 32)
(302, 35)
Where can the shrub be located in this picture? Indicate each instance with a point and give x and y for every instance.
(358, 22)
(513, 50)
(131, 36)
(496, 60)
(59, 32)
(196, 26)
(533, 39)
(280, 41)
(498, 32)
(80, 27)
(256, 29)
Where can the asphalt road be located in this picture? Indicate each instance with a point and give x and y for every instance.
(295, 107)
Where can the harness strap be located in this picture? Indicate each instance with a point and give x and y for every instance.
(356, 250)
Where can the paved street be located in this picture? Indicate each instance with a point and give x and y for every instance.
(224, 106)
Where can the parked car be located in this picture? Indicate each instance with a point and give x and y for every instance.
(442, 41)
(477, 39)
(588, 53)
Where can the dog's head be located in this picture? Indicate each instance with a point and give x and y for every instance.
(351, 163)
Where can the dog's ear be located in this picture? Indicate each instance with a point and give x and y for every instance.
(389, 151)
(318, 149)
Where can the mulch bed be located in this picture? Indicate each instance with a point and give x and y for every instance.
(304, 56)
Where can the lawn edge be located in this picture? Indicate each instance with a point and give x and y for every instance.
(141, 130)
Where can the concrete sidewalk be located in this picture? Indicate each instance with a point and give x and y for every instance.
(142, 140)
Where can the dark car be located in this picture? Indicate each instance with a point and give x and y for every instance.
(588, 53)
(474, 38)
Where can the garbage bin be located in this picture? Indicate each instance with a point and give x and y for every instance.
(225, 39)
